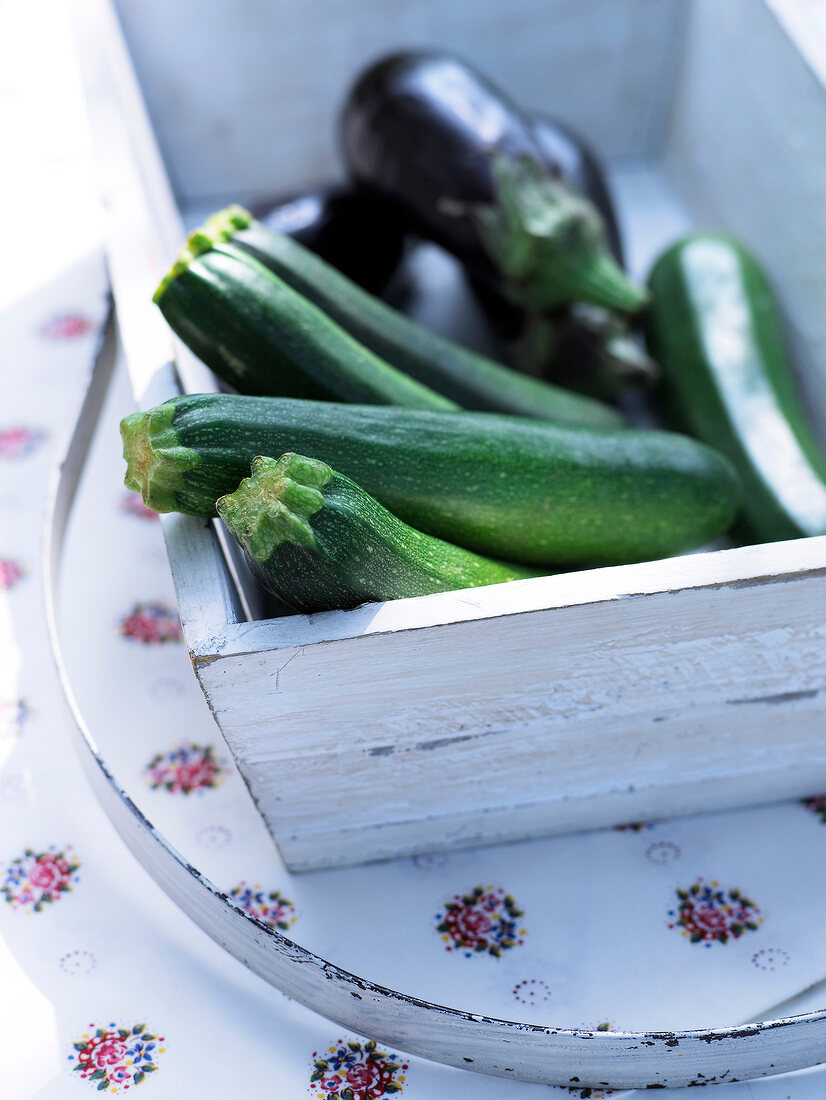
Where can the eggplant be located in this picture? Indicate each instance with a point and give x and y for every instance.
(594, 352)
(361, 233)
(566, 154)
(464, 161)
(581, 346)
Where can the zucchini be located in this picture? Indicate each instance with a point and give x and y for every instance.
(714, 327)
(511, 488)
(470, 380)
(317, 541)
(262, 337)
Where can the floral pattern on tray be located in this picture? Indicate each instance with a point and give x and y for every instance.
(35, 880)
(708, 913)
(13, 716)
(152, 624)
(66, 326)
(17, 442)
(133, 505)
(116, 1058)
(352, 1070)
(11, 573)
(486, 920)
(186, 768)
(271, 908)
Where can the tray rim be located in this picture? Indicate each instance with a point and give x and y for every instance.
(747, 566)
(448, 1035)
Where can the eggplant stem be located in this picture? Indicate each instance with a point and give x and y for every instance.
(548, 242)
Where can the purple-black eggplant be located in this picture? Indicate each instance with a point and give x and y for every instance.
(362, 234)
(466, 164)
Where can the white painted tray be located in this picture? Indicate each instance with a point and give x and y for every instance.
(455, 1036)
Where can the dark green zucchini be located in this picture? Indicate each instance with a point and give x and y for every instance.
(316, 540)
(471, 380)
(262, 337)
(511, 488)
(713, 326)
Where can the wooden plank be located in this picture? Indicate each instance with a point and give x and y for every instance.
(513, 721)
(754, 564)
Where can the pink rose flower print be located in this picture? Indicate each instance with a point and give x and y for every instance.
(116, 1058)
(152, 624)
(36, 879)
(13, 717)
(356, 1071)
(133, 505)
(708, 913)
(272, 908)
(66, 326)
(816, 804)
(185, 769)
(17, 442)
(485, 920)
(10, 573)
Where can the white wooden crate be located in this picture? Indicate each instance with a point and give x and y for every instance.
(564, 702)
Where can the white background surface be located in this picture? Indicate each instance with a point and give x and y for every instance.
(597, 943)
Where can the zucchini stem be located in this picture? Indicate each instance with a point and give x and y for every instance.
(155, 460)
(273, 506)
(217, 229)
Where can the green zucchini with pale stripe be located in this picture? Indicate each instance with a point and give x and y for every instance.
(504, 486)
(317, 541)
(714, 328)
(257, 333)
(471, 380)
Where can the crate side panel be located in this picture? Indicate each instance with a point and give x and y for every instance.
(760, 563)
(505, 824)
(746, 151)
(245, 97)
(481, 720)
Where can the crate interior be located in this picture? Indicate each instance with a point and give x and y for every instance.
(666, 91)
